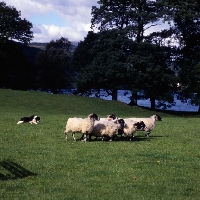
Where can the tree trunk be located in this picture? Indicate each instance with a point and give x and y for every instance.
(133, 99)
(153, 102)
(198, 110)
(114, 94)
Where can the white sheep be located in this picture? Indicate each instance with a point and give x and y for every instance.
(149, 123)
(131, 127)
(104, 128)
(80, 125)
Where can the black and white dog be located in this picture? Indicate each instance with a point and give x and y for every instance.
(34, 119)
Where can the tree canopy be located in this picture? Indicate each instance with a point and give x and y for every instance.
(16, 71)
(155, 62)
(54, 63)
(121, 63)
(186, 18)
(134, 17)
(12, 26)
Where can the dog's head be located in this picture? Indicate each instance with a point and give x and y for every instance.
(37, 119)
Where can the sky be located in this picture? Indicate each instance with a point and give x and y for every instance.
(53, 19)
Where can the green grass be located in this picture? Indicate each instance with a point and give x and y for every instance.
(165, 166)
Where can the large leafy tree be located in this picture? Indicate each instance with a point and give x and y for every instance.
(105, 67)
(12, 26)
(133, 17)
(55, 68)
(117, 62)
(149, 71)
(16, 71)
(185, 15)
(82, 55)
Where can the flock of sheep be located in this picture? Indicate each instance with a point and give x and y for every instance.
(110, 127)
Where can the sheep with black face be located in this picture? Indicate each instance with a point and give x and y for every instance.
(131, 127)
(149, 122)
(80, 125)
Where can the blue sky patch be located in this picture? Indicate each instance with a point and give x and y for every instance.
(48, 19)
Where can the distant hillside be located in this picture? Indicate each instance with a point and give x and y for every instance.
(38, 45)
(43, 45)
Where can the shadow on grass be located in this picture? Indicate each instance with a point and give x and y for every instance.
(119, 139)
(15, 171)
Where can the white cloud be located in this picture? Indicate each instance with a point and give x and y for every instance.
(74, 15)
(46, 33)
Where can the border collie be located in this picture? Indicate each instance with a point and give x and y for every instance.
(34, 119)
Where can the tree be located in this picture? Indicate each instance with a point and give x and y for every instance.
(55, 67)
(105, 66)
(149, 71)
(82, 55)
(12, 26)
(117, 62)
(186, 27)
(16, 70)
(133, 17)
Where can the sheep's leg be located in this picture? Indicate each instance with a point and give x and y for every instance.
(147, 134)
(110, 138)
(84, 138)
(115, 137)
(66, 134)
(90, 137)
(73, 135)
(122, 137)
(128, 137)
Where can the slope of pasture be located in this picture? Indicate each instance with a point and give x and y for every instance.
(37, 163)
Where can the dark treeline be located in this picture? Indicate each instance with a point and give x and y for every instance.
(116, 54)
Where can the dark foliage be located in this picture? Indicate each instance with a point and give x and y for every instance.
(12, 26)
(17, 70)
(55, 68)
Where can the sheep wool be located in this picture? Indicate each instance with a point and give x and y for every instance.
(105, 128)
(80, 125)
(149, 123)
(131, 127)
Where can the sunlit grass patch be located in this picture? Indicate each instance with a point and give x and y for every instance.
(165, 166)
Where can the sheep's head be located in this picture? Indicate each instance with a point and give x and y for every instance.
(122, 125)
(121, 122)
(140, 125)
(111, 117)
(93, 116)
(157, 117)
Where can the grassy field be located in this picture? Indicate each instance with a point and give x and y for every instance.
(37, 163)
